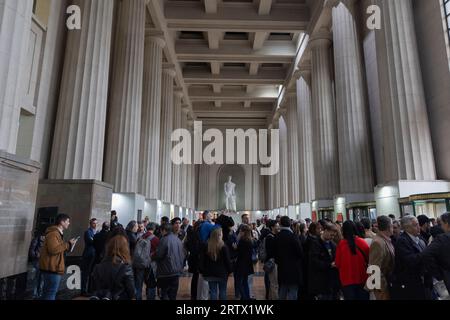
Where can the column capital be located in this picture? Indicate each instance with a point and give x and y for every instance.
(185, 109)
(322, 38)
(178, 92)
(155, 36)
(169, 69)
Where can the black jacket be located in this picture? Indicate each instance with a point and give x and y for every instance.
(217, 269)
(410, 281)
(244, 263)
(270, 246)
(192, 245)
(436, 257)
(288, 257)
(100, 245)
(115, 281)
(132, 240)
(323, 278)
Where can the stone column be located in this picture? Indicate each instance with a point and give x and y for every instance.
(193, 189)
(79, 136)
(293, 148)
(176, 169)
(324, 119)
(256, 187)
(151, 116)
(184, 167)
(408, 151)
(122, 157)
(15, 26)
(276, 186)
(306, 157)
(355, 160)
(166, 131)
(284, 201)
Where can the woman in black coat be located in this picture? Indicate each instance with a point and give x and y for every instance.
(131, 230)
(244, 263)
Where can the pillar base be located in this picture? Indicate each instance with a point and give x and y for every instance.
(323, 208)
(129, 206)
(82, 200)
(388, 196)
(342, 201)
(19, 180)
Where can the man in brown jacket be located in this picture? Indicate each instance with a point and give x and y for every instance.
(382, 254)
(51, 262)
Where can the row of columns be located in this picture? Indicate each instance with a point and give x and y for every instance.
(137, 103)
(327, 114)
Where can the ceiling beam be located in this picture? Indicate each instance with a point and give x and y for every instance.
(241, 17)
(264, 7)
(215, 67)
(259, 94)
(254, 66)
(258, 39)
(235, 77)
(214, 38)
(210, 6)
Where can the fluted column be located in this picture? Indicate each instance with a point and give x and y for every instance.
(124, 130)
(324, 119)
(192, 190)
(276, 179)
(355, 160)
(167, 110)
(151, 116)
(306, 152)
(176, 169)
(78, 142)
(408, 152)
(293, 149)
(15, 21)
(284, 201)
(184, 167)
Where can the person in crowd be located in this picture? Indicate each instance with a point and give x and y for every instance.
(308, 221)
(114, 220)
(205, 230)
(141, 230)
(176, 223)
(51, 261)
(410, 279)
(163, 221)
(34, 255)
(437, 255)
(374, 226)
(424, 224)
(192, 246)
(142, 266)
(270, 267)
(396, 231)
(245, 221)
(131, 231)
(324, 278)
(244, 263)
(369, 235)
(100, 242)
(113, 278)
(338, 234)
(88, 258)
(382, 254)
(206, 227)
(289, 259)
(185, 228)
(437, 229)
(145, 222)
(392, 216)
(169, 258)
(256, 234)
(361, 231)
(352, 257)
(303, 232)
(314, 231)
(215, 265)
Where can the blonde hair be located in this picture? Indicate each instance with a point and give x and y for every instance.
(215, 244)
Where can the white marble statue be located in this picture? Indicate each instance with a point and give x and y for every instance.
(230, 195)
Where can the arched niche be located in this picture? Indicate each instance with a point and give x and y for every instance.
(237, 173)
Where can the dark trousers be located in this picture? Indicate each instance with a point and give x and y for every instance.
(267, 284)
(242, 284)
(194, 283)
(355, 292)
(169, 287)
(87, 264)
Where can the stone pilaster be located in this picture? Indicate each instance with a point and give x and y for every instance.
(176, 169)
(293, 148)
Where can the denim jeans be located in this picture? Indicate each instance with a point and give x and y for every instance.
(222, 286)
(355, 292)
(38, 282)
(51, 285)
(169, 287)
(242, 284)
(288, 292)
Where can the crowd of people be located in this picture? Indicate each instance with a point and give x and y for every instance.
(302, 260)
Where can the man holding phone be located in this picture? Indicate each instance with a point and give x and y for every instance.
(51, 262)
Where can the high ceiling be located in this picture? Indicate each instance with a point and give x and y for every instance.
(231, 56)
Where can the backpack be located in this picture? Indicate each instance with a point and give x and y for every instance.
(142, 251)
(262, 254)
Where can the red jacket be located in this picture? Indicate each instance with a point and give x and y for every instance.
(352, 268)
